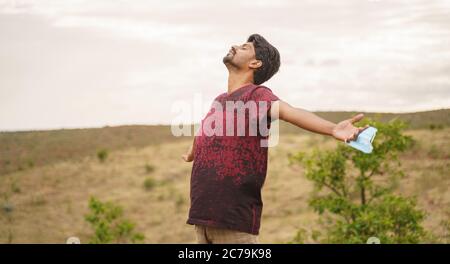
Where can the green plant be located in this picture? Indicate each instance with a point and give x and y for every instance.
(30, 163)
(15, 188)
(446, 226)
(102, 155)
(445, 229)
(109, 224)
(149, 183)
(354, 191)
(8, 209)
(149, 168)
(435, 152)
(299, 237)
(434, 126)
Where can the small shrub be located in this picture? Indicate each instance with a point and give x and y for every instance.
(149, 183)
(434, 152)
(299, 237)
(109, 224)
(434, 126)
(358, 205)
(15, 188)
(102, 155)
(8, 208)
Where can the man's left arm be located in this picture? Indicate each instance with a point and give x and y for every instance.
(344, 130)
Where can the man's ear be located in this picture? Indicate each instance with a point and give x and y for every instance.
(255, 64)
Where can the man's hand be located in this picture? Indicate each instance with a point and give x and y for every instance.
(345, 130)
(189, 156)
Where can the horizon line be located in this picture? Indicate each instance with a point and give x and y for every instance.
(168, 124)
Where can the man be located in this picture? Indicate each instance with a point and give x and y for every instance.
(229, 170)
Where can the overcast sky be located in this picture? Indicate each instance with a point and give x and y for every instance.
(92, 63)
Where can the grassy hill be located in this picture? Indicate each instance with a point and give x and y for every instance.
(22, 150)
(426, 119)
(46, 202)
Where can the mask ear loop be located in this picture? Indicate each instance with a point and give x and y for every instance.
(373, 136)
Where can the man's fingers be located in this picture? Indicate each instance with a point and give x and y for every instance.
(187, 157)
(361, 129)
(354, 136)
(348, 139)
(356, 118)
(356, 131)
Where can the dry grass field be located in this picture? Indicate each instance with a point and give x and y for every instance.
(50, 176)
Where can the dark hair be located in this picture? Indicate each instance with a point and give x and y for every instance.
(269, 56)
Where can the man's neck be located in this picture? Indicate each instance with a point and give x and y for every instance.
(236, 81)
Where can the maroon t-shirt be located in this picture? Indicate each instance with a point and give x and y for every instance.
(228, 172)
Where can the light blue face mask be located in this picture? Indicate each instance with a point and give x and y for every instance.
(364, 140)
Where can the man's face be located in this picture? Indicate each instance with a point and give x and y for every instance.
(240, 56)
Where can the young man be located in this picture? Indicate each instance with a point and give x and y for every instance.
(229, 170)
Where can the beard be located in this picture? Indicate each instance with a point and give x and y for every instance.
(228, 60)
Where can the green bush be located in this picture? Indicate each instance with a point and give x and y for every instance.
(434, 126)
(109, 224)
(150, 183)
(102, 155)
(353, 191)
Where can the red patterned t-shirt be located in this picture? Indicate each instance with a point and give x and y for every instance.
(229, 167)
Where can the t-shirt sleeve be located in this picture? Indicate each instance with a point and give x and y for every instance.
(264, 94)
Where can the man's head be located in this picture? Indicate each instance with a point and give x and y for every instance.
(256, 55)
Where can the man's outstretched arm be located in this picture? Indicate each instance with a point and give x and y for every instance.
(344, 130)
